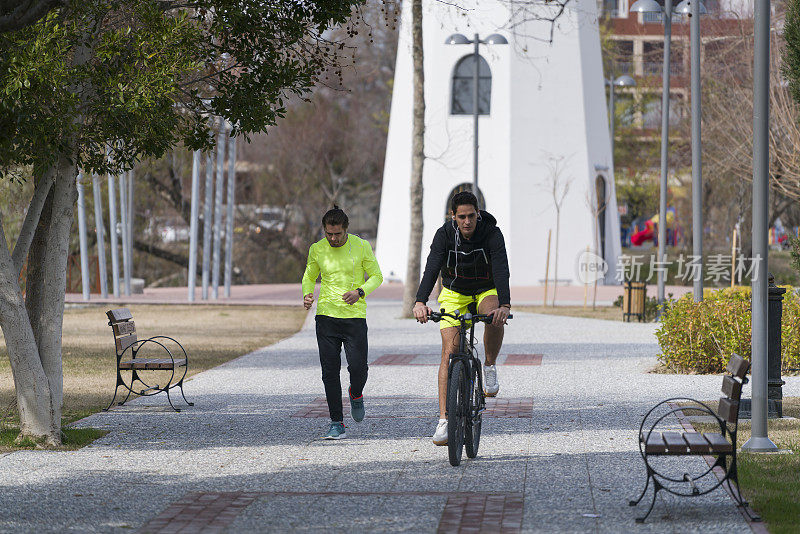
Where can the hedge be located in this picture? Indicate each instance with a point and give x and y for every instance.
(699, 337)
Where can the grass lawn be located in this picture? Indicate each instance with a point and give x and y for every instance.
(609, 313)
(211, 335)
(771, 482)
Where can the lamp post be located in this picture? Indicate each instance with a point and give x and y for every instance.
(458, 39)
(651, 6)
(695, 8)
(621, 81)
(759, 440)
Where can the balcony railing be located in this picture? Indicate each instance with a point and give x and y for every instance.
(656, 68)
(623, 67)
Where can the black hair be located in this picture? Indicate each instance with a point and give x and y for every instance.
(335, 217)
(462, 198)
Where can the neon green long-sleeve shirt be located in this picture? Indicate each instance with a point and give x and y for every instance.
(342, 269)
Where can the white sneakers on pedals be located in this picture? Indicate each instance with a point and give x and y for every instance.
(440, 436)
(490, 385)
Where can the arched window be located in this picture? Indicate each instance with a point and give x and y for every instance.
(464, 83)
(458, 189)
(602, 200)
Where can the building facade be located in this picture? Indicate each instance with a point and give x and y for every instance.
(543, 128)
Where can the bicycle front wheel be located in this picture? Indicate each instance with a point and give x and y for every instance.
(457, 407)
(472, 437)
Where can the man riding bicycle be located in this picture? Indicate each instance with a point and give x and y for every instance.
(470, 253)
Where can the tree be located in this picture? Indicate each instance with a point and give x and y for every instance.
(328, 149)
(557, 185)
(97, 86)
(417, 162)
(728, 127)
(791, 53)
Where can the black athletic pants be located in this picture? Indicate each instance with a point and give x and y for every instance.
(332, 333)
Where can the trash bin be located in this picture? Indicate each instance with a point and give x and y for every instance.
(633, 299)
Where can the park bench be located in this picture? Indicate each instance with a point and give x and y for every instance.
(163, 369)
(660, 449)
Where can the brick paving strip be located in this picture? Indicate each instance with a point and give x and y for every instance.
(200, 512)
(207, 513)
(523, 359)
(481, 512)
(521, 408)
(398, 359)
(408, 359)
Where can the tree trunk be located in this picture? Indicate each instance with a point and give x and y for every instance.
(65, 194)
(34, 277)
(34, 399)
(40, 194)
(46, 279)
(417, 163)
(555, 253)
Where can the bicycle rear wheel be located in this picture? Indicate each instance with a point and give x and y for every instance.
(472, 437)
(457, 407)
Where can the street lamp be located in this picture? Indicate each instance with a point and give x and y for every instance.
(459, 39)
(621, 81)
(685, 7)
(759, 440)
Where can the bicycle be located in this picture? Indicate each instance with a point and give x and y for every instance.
(466, 400)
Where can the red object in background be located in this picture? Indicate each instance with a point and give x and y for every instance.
(643, 235)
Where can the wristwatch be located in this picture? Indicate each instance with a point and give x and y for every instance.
(360, 292)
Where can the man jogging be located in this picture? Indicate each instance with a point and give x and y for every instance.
(341, 259)
(470, 253)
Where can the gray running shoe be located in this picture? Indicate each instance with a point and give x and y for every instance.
(356, 407)
(336, 431)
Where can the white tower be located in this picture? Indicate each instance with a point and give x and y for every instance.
(546, 109)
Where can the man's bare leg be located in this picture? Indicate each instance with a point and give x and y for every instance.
(449, 346)
(492, 335)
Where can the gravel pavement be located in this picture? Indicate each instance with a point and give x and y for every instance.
(247, 458)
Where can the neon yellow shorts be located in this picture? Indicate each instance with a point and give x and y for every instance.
(451, 301)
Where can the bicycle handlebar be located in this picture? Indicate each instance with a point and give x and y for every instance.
(463, 317)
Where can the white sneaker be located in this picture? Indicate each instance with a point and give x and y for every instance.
(490, 385)
(440, 436)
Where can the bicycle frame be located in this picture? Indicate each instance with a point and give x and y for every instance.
(465, 392)
(467, 352)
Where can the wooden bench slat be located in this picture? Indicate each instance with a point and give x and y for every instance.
(120, 314)
(697, 443)
(738, 366)
(124, 342)
(718, 443)
(675, 443)
(728, 410)
(124, 328)
(731, 387)
(152, 364)
(655, 443)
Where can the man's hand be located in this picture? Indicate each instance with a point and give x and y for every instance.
(421, 312)
(308, 300)
(499, 315)
(351, 297)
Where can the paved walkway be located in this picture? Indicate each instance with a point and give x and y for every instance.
(287, 294)
(558, 452)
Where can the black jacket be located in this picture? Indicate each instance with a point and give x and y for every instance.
(468, 266)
